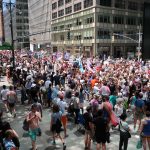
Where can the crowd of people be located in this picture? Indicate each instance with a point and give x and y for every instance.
(109, 89)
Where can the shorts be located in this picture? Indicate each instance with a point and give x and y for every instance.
(138, 115)
(33, 133)
(101, 138)
(55, 129)
(89, 132)
(64, 120)
(11, 105)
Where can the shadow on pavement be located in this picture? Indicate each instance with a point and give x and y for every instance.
(78, 133)
(25, 134)
(47, 132)
(52, 148)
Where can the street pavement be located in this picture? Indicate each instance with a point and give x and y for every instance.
(75, 139)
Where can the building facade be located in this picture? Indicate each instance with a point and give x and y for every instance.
(39, 23)
(20, 24)
(96, 27)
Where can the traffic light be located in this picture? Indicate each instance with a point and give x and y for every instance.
(68, 35)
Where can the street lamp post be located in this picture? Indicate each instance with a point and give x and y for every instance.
(9, 7)
(136, 41)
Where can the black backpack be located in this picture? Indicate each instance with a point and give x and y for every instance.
(25, 125)
(58, 124)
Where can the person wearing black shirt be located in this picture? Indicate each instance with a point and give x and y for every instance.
(57, 79)
(52, 78)
(101, 126)
(88, 127)
(112, 88)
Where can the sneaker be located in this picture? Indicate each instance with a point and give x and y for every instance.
(64, 147)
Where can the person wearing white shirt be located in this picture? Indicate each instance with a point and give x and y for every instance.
(47, 83)
(4, 97)
(119, 107)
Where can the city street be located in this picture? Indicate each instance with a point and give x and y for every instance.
(75, 140)
(75, 53)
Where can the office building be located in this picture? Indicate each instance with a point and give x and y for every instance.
(96, 27)
(20, 24)
(39, 23)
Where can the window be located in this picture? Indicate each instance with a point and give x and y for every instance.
(118, 20)
(88, 34)
(88, 3)
(78, 37)
(61, 27)
(69, 25)
(54, 15)
(62, 38)
(131, 21)
(61, 13)
(132, 5)
(54, 5)
(120, 4)
(78, 22)
(55, 28)
(117, 36)
(68, 10)
(104, 19)
(103, 34)
(60, 3)
(77, 7)
(105, 3)
(67, 1)
(89, 20)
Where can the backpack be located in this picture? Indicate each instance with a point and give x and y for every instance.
(25, 125)
(58, 124)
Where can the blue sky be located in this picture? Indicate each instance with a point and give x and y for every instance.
(8, 0)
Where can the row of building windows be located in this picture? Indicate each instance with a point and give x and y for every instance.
(122, 4)
(78, 22)
(22, 20)
(131, 5)
(68, 10)
(120, 20)
(22, 27)
(101, 34)
(106, 34)
(75, 38)
(20, 33)
(87, 3)
(105, 19)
